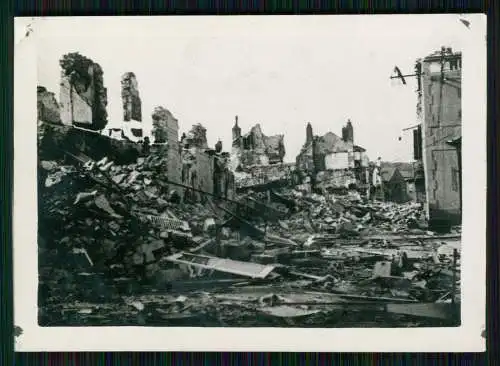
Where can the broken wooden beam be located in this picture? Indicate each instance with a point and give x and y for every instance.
(201, 246)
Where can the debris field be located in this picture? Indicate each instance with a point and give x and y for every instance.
(122, 245)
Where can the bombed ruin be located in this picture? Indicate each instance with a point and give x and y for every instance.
(130, 96)
(168, 230)
(83, 96)
(255, 148)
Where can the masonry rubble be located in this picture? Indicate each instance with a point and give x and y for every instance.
(304, 250)
(255, 148)
(180, 232)
(48, 108)
(83, 97)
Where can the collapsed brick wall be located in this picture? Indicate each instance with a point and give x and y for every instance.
(83, 96)
(130, 98)
(305, 161)
(166, 139)
(255, 148)
(264, 174)
(223, 177)
(197, 137)
(54, 140)
(205, 171)
(47, 106)
(335, 179)
(173, 167)
(165, 127)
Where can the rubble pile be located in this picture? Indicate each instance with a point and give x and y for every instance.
(250, 176)
(109, 217)
(352, 215)
(255, 148)
(47, 106)
(132, 245)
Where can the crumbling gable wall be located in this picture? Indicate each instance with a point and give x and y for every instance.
(304, 161)
(197, 137)
(205, 169)
(166, 138)
(224, 180)
(165, 127)
(53, 140)
(47, 106)
(255, 148)
(83, 96)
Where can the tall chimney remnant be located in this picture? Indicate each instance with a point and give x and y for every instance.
(309, 133)
(130, 98)
(348, 132)
(236, 129)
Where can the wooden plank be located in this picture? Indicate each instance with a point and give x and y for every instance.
(201, 246)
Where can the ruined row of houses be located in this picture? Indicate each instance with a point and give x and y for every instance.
(82, 106)
(328, 161)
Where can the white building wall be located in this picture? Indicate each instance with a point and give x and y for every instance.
(339, 160)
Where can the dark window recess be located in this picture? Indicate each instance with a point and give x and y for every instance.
(459, 92)
(454, 179)
(459, 113)
(417, 143)
(137, 132)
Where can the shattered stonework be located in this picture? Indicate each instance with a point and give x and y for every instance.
(255, 148)
(166, 142)
(196, 137)
(333, 161)
(130, 98)
(165, 126)
(47, 106)
(180, 233)
(204, 169)
(83, 96)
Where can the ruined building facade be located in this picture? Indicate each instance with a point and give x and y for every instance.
(47, 106)
(440, 112)
(203, 168)
(132, 109)
(332, 157)
(130, 98)
(255, 148)
(83, 97)
(166, 140)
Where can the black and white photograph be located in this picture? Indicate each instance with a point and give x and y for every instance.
(249, 172)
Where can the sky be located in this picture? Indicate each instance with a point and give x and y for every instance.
(279, 71)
